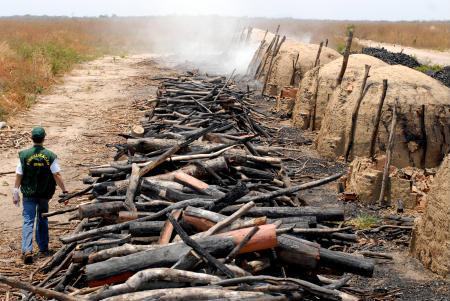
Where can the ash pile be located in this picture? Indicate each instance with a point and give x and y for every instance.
(198, 206)
(392, 58)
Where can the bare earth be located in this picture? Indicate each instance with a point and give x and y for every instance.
(81, 114)
(424, 56)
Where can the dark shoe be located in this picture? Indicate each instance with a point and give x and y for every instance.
(27, 257)
(47, 253)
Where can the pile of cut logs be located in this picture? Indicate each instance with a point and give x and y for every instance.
(200, 209)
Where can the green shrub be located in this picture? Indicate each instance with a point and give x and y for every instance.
(427, 68)
(364, 221)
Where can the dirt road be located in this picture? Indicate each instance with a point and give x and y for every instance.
(424, 56)
(80, 115)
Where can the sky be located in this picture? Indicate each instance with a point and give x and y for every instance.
(391, 10)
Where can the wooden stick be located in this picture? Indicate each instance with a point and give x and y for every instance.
(37, 290)
(388, 155)
(7, 173)
(289, 190)
(224, 86)
(345, 58)
(373, 138)
(132, 188)
(75, 194)
(230, 219)
(199, 250)
(355, 113)
(316, 62)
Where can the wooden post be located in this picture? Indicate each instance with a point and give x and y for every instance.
(345, 59)
(423, 130)
(317, 61)
(294, 69)
(377, 120)
(388, 154)
(275, 51)
(326, 43)
(312, 119)
(355, 113)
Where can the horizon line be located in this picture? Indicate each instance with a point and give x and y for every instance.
(112, 16)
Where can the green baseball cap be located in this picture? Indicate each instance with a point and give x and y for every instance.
(38, 132)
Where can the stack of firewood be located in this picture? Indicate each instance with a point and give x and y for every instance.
(198, 206)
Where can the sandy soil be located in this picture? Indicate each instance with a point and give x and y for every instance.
(81, 114)
(424, 56)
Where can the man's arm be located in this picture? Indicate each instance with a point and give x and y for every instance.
(55, 169)
(59, 181)
(18, 181)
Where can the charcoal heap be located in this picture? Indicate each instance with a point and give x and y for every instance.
(442, 75)
(392, 58)
(199, 208)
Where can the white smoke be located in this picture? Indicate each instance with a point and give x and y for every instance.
(211, 44)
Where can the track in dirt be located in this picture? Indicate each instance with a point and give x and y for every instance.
(81, 115)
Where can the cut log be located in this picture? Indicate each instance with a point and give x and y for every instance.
(321, 214)
(141, 280)
(146, 228)
(302, 253)
(310, 255)
(167, 230)
(164, 256)
(100, 209)
(189, 293)
(197, 185)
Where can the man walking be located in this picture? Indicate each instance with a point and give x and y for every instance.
(37, 174)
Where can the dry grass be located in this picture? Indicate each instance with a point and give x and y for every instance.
(432, 35)
(35, 51)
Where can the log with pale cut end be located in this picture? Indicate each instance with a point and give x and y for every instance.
(137, 131)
